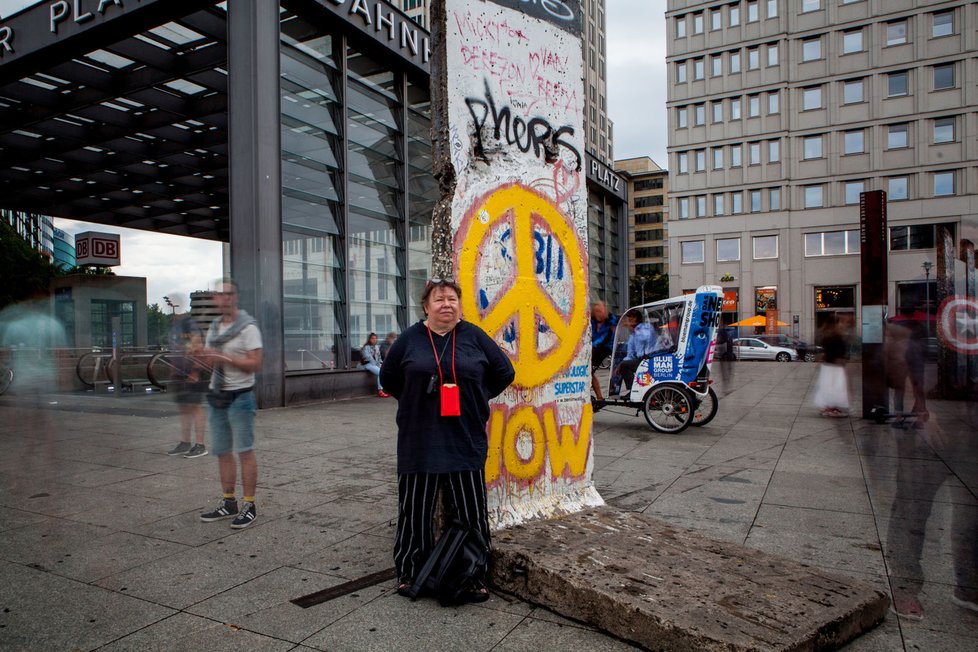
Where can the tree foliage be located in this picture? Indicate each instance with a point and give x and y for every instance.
(656, 287)
(23, 271)
(157, 325)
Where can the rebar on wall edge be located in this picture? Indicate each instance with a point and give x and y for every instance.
(442, 263)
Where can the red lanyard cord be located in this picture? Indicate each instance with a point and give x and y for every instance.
(438, 360)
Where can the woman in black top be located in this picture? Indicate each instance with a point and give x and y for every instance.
(436, 450)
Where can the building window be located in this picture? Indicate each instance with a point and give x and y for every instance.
(852, 41)
(683, 162)
(684, 208)
(812, 147)
(852, 91)
(897, 83)
(811, 49)
(854, 142)
(773, 151)
(735, 61)
(681, 121)
(897, 136)
(717, 158)
(811, 98)
(755, 201)
(753, 106)
(737, 203)
(718, 205)
(701, 206)
(716, 63)
(896, 32)
(754, 153)
(735, 160)
(718, 111)
(681, 27)
(915, 236)
(753, 13)
(772, 55)
(765, 247)
(728, 250)
(810, 5)
(772, 8)
(897, 189)
(832, 243)
(681, 72)
(942, 24)
(774, 199)
(773, 103)
(692, 252)
(715, 17)
(943, 184)
(852, 191)
(698, 23)
(813, 197)
(700, 160)
(735, 108)
(753, 58)
(734, 15)
(943, 130)
(943, 76)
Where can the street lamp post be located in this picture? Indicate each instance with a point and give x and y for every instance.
(173, 306)
(645, 279)
(927, 265)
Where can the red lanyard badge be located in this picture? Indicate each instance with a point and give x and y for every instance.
(448, 392)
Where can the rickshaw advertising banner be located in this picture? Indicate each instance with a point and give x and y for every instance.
(515, 102)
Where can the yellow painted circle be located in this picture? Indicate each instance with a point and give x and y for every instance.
(525, 299)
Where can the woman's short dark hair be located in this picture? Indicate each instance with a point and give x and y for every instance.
(439, 283)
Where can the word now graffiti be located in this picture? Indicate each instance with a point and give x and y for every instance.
(523, 439)
(536, 133)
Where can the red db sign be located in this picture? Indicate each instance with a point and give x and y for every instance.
(93, 248)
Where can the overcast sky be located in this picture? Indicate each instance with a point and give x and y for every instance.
(636, 53)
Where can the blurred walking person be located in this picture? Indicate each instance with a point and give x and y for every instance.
(832, 386)
(186, 341)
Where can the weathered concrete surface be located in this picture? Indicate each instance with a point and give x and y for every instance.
(668, 588)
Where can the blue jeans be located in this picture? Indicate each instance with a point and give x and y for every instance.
(233, 427)
(375, 370)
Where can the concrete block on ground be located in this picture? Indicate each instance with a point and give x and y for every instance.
(667, 588)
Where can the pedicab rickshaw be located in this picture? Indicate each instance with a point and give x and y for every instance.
(669, 346)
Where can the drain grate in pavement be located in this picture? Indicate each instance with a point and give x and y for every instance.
(345, 588)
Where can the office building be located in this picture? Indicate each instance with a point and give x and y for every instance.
(36, 230)
(781, 112)
(648, 230)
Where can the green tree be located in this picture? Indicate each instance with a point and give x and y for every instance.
(24, 272)
(652, 287)
(157, 325)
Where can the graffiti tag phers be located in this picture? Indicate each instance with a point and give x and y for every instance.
(536, 133)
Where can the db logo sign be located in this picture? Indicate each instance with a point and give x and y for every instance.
(97, 249)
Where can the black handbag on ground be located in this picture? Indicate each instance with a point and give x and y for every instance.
(456, 569)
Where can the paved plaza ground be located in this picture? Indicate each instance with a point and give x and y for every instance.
(101, 546)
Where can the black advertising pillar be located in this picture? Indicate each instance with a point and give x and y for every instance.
(873, 276)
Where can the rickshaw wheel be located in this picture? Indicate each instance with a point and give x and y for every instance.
(706, 410)
(668, 408)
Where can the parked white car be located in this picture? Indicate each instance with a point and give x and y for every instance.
(749, 348)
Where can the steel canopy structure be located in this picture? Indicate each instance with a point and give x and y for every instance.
(117, 116)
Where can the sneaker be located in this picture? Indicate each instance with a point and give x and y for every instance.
(227, 509)
(965, 600)
(197, 451)
(180, 448)
(245, 517)
(382, 394)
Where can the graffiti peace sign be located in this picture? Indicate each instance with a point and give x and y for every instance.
(525, 300)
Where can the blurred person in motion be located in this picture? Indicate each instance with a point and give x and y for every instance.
(603, 324)
(385, 346)
(895, 344)
(370, 360)
(916, 363)
(443, 372)
(234, 348)
(32, 335)
(186, 341)
(832, 386)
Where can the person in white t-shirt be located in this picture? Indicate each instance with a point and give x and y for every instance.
(235, 348)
